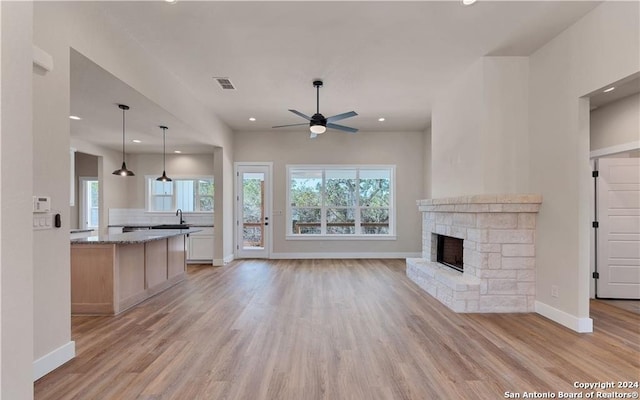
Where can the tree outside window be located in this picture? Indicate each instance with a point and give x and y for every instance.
(340, 200)
(187, 194)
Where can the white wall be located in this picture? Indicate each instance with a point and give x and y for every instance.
(58, 27)
(225, 219)
(479, 130)
(616, 123)
(601, 48)
(426, 166)
(294, 147)
(16, 169)
(505, 132)
(456, 122)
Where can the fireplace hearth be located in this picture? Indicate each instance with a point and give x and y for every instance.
(496, 236)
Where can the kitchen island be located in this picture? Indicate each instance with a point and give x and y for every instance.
(111, 273)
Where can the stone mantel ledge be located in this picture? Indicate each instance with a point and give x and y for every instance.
(483, 203)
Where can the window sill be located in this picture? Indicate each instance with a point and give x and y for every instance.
(341, 237)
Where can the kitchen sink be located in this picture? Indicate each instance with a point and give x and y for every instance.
(170, 226)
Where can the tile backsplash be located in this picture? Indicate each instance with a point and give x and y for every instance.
(139, 216)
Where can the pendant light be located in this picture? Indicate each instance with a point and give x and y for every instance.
(164, 177)
(123, 171)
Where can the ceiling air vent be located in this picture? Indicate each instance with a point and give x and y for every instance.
(225, 83)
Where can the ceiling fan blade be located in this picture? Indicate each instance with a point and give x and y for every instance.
(342, 128)
(342, 116)
(313, 135)
(298, 113)
(284, 126)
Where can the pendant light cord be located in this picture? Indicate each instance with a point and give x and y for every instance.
(164, 148)
(123, 111)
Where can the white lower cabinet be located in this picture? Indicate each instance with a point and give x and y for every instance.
(200, 246)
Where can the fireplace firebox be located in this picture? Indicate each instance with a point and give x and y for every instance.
(450, 252)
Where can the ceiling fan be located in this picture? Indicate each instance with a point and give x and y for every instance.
(318, 124)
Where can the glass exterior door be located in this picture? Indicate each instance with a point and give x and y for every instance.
(253, 209)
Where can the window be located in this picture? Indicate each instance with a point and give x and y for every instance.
(340, 201)
(187, 194)
(90, 213)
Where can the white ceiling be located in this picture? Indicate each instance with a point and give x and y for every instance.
(95, 95)
(381, 59)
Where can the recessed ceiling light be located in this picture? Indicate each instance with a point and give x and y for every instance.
(468, 2)
(252, 119)
(611, 89)
(381, 119)
(177, 151)
(75, 117)
(136, 141)
(171, 1)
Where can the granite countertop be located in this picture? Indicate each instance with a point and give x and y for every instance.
(134, 237)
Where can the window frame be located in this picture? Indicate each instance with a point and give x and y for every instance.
(290, 235)
(85, 202)
(149, 179)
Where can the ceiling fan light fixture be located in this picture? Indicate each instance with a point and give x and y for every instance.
(123, 171)
(318, 124)
(318, 129)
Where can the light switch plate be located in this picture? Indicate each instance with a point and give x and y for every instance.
(42, 221)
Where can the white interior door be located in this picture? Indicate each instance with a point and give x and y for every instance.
(253, 210)
(619, 228)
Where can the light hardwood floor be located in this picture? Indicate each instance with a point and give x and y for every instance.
(330, 329)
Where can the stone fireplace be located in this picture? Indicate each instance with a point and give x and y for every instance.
(497, 236)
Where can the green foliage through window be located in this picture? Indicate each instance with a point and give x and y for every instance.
(187, 194)
(340, 200)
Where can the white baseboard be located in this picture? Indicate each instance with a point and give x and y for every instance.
(580, 325)
(53, 360)
(219, 262)
(189, 262)
(288, 256)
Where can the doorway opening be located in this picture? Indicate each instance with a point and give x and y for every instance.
(614, 118)
(86, 193)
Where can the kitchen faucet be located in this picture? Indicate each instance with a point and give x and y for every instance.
(179, 212)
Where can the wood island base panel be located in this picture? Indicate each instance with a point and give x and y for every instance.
(113, 273)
